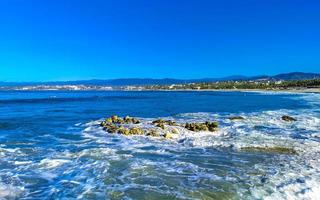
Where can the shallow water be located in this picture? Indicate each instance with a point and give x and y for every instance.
(51, 146)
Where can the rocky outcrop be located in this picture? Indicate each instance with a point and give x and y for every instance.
(207, 126)
(136, 131)
(117, 120)
(131, 120)
(157, 128)
(288, 118)
(278, 150)
(153, 133)
(236, 118)
(161, 123)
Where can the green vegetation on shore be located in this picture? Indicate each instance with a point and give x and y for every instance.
(260, 84)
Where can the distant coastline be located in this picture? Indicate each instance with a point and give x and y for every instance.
(298, 90)
(291, 90)
(262, 84)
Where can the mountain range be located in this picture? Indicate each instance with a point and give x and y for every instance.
(165, 81)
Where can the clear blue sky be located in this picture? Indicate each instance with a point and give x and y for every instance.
(77, 39)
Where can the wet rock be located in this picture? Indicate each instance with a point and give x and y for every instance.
(171, 123)
(115, 124)
(288, 118)
(153, 133)
(117, 120)
(279, 150)
(207, 126)
(164, 122)
(108, 120)
(160, 125)
(114, 119)
(168, 136)
(111, 128)
(194, 127)
(174, 131)
(131, 120)
(158, 121)
(136, 131)
(236, 118)
(104, 123)
(264, 179)
(212, 126)
(124, 131)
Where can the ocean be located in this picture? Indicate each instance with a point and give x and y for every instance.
(52, 147)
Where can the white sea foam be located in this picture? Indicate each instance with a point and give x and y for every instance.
(294, 177)
(22, 162)
(52, 163)
(117, 164)
(10, 192)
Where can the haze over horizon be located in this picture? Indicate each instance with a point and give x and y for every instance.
(83, 40)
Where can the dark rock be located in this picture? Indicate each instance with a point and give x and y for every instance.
(207, 126)
(236, 118)
(165, 122)
(171, 123)
(132, 120)
(212, 126)
(158, 121)
(280, 150)
(117, 120)
(111, 128)
(153, 133)
(264, 179)
(287, 118)
(160, 125)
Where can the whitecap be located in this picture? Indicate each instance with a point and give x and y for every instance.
(52, 163)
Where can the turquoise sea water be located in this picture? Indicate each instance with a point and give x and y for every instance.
(51, 146)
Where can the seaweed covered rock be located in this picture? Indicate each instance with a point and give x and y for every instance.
(126, 120)
(196, 127)
(288, 118)
(131, 120)
(278, 150)
(207, 126)
(136, 131)
(105, 123)
(153, 133)
(111, 128)
(212, 126)
(236, 118)
(171, 123)
(114, 119)
(158, 121)
(124, 131)
(161, 123)
(160, 127)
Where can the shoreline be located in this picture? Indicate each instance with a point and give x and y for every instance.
(309, 90)
(304, 90)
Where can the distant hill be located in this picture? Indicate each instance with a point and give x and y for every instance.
(167, 81)
(296, 76)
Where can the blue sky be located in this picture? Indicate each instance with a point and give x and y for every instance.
(76, 39)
